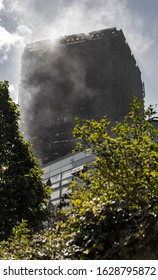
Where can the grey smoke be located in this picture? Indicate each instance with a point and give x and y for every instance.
(51, 19)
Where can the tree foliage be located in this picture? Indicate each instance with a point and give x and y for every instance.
(113, 211)
(22, 193)
(23, 245)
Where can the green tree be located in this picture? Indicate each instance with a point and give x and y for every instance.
(22, 193)
(114, 204)
(23, 245)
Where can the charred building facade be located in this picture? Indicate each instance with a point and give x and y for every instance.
(85, 76)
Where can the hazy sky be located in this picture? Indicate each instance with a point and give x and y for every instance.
(25, 21)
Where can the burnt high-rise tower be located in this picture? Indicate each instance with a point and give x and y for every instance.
(85, 76)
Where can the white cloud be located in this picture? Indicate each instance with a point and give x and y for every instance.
(11, 88)
(6, 41)
(7, 38)
(1, 4)
(23, 31)
(9, 5)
